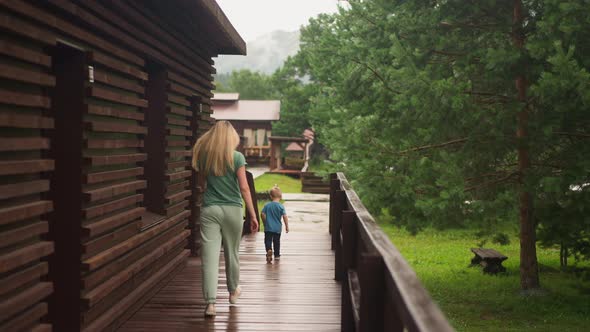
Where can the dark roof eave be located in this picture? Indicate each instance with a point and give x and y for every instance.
(234, 43)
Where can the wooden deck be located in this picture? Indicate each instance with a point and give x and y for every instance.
(297, 293)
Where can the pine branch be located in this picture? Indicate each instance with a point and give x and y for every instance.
(493, 183)
(376, 74)
(562, 133)
(433, 146)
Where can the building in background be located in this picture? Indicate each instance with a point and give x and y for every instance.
(252, 119)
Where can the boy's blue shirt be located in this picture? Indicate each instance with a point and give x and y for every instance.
(274, 211)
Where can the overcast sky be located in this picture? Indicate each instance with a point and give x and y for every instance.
(253, 18)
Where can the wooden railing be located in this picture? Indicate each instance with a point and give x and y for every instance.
(380, 291)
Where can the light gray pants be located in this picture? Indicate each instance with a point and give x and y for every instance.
(220, 223)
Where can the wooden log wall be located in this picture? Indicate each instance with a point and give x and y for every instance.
(118, 208)
(25, 169)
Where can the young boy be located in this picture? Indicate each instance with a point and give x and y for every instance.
(272, 213)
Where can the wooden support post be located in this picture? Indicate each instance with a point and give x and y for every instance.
(333, 186)
(347, 322)
(339, 206)
(349, 238)
(372, 281)
(65, 223)
(194, 198)
(348, 261)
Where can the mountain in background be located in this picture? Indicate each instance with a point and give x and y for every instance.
(265, 54)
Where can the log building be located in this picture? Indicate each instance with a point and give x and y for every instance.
(100, 102)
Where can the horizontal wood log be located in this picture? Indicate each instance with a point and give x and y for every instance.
(26, 318)
(25, 54)
(178, 143)
(114, 112)
(203, 89)
(107, 318)
(176, 209)
(92, 280)
(24, 299)
(70, 29)
(26, 76)
(17, 120)
(104, 225)
(179, 111)
(181, 89)
(24, 211)
(113, 127)
(99, 210)
(117, 65)
(110, 239)
(23, 189)
(179, 100)
(23, 277)
(107, 78)
(177, 186)
(115, 159)
(24, 144)
(113, 143)
(27, 30)
(20, 234)
(91, 298)
(114, 190)
(101, 259)
(24, 99)
(179, 153)
(98, 177)
(42, 328)
(127, 287)
(177, 164)
(25, 166)
(25, 255)
(116, 97)
(178, 175)
(179, 132)
(178, 122)
(177, 197)
(143, 42)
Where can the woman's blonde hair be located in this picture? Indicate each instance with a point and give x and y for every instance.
(213, 152)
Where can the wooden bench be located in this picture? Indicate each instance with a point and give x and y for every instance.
(490, 259)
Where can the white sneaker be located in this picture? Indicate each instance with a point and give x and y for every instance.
(210, 310)
(233, 297)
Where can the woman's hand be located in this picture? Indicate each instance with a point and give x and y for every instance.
(253, 224)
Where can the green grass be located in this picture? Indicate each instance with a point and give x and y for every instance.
(473, 301)
(287, 184)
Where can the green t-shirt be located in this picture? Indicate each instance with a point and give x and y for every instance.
(225, 190)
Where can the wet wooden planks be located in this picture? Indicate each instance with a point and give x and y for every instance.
(297, 293)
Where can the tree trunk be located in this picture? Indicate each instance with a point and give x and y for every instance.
(529, 270)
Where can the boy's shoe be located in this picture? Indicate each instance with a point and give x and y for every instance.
(233, 297)
(269, 256)
(210, 310)
(277, 258)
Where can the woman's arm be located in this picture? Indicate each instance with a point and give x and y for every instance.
(245, 189)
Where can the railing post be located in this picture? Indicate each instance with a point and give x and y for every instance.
(349, 234)
(334, 185)
(372, 281)
(349, 238)
(339, 205)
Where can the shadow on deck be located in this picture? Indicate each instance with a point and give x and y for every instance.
(297, 293)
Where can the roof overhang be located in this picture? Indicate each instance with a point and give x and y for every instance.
(203, 19)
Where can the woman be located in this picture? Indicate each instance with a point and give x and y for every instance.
(222, 171)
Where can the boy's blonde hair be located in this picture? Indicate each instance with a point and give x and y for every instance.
(213, 152)
(275, 192)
